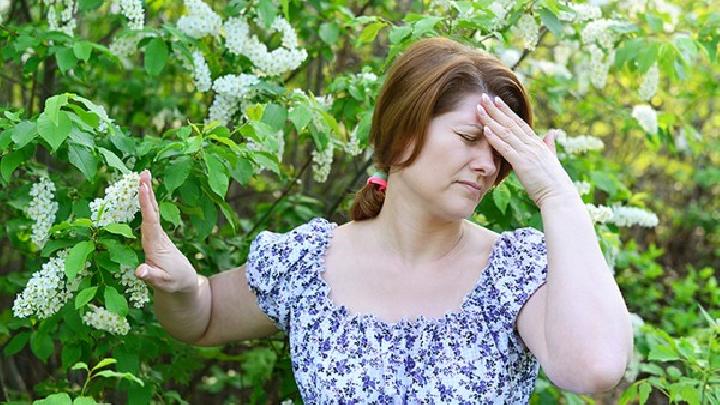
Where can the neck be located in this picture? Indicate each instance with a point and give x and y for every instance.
(416, 237)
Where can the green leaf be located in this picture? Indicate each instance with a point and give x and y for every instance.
(501, 197)
(112, 160)
(41, 345)
(686, 47)
(54, 134)
(5, 137)
(300, 116)
(82, 50)
(55, 399)
(127, 376)
(84, 401)
(83, 159)
(10, 162)
(79, 366)
(243, 171)
(16, 343)
(425, 25)
(266, 11)
(216, 174)
(120, 253)
(77, 257)
(66, 59)
(120, 229)
(104, 363)
(115, 302)
(176, 177)
(275, 116)
(370, 31)
(71, 353)
(550, 20)
(170, 213)
(88, 5)
(398, 33)
(23, 133)
(85, 296)
(662, 353)
(156, 53)
(329, 32)
(53, 105)
(647, 56)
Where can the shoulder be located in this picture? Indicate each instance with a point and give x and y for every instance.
(288, 245)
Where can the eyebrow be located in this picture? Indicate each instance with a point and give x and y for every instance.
(477, 127)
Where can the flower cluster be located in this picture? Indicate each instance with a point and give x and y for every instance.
(599, 213)
(46, 291)
(628, 216)
(352, 147)
(563, 50)
(42, 210)
(649, 84)
(102, 319)
(203, 81)
(120, 204)
(267, 63)
(599, 65)
(583, 187)
(133, 10)
(230, 90)
(580, 12)
(125, 46)
(527, 29)
(509, 57)
(581, 144)
(135, 288)
(174, 117)
(600, 32)
(647, 117)
(66, 22)
(500, 9)
(200, 20)
(548, 68)
(322, 162)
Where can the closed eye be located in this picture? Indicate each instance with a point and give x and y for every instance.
(468, 138)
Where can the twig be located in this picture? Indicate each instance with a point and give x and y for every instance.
(349, 188)
(277, 201)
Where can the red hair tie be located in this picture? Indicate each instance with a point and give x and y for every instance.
(379, 178)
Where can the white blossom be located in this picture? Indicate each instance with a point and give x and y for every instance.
(563, 50)
(201, 72)
(133, 10)
(527, 29)
(102, 319)
(200, 20)
(580, 12)
(352, 147)
(65, 22)
(670, 9)
(581, 144)
(646, 117)
(174, 117)
(509, 57)
(42, 210)
(4, 7)
(230, 89)
(322, 162)
(47, 291)
(649, 84)
(582, 187)
(120, 204)
(134, 287)
(500, 9)
(599, 65)
(629, 216)
(239, 41)
(549, 68)
(125, 46)
(599, 213)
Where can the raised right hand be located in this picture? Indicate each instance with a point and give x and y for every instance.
(165, 268)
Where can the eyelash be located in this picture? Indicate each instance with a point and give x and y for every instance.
(468, 138)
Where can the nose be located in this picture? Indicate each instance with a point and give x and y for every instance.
(484, 162)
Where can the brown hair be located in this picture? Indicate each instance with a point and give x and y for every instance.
(429, 79)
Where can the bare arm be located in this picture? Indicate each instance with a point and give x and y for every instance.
(191, 307)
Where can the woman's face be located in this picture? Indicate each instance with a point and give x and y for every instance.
(455, 152)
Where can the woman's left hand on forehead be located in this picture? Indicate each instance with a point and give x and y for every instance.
(534, 161)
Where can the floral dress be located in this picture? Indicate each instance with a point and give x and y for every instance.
(473, 355)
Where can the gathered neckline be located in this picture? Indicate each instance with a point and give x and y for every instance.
(405, 322)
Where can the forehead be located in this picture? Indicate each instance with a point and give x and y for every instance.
(465, 112)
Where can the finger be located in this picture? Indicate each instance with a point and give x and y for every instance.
(149, 215)
(148, 181)
(519, 122)
(152, 275)
(502, 146)
(497, 114)
(502, 132)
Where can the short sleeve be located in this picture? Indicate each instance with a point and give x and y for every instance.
(273, 265)
(525, 272)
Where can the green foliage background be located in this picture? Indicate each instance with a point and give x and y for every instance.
(217, 191)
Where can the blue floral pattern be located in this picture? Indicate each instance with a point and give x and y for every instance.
(472, 355)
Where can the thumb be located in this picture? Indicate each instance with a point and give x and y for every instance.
(151, 274)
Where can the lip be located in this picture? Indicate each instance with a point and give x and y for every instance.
(471, 184)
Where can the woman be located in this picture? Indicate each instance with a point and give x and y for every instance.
(410, 302)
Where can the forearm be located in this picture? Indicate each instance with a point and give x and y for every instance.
(587, 327)
(185, 315)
